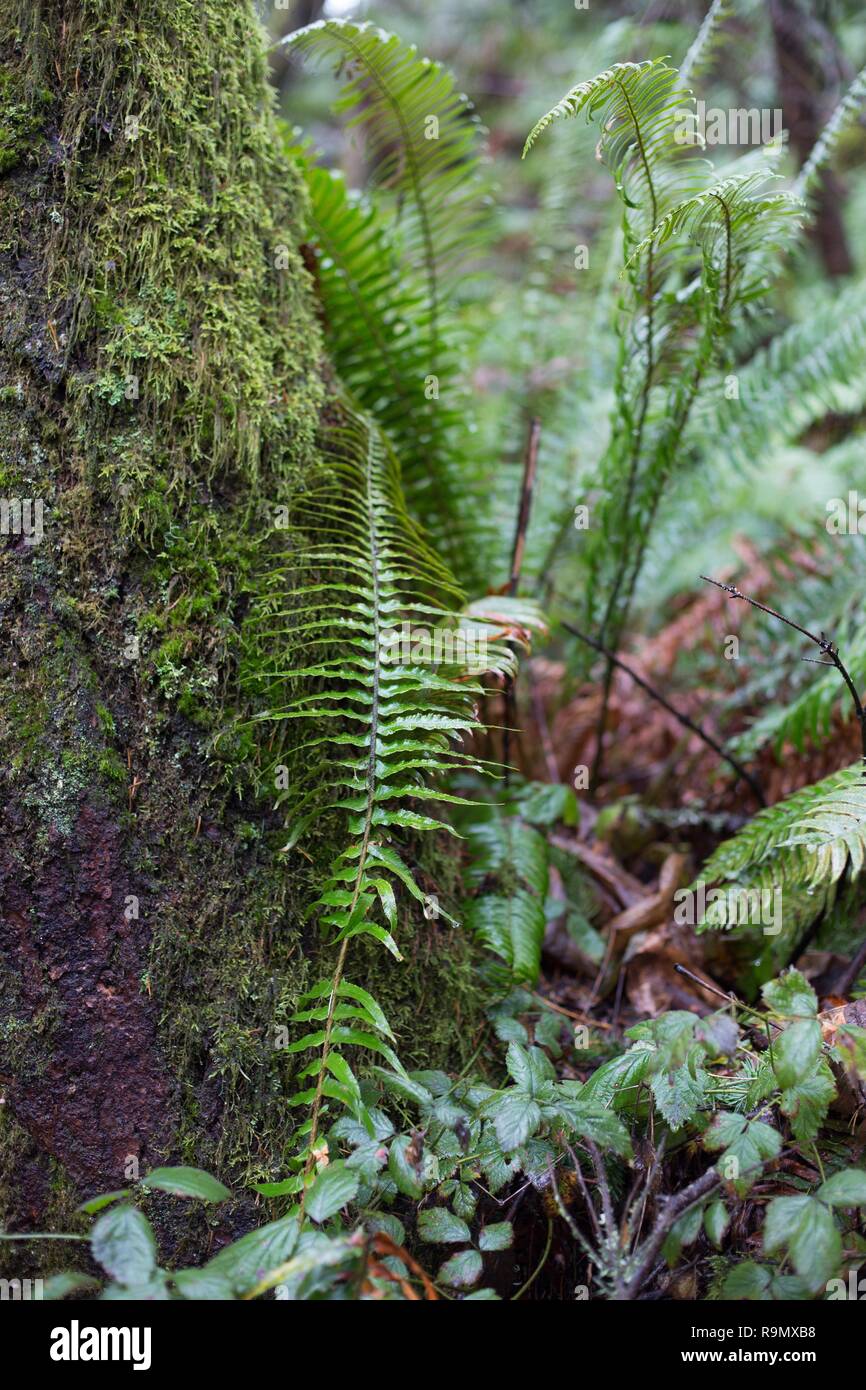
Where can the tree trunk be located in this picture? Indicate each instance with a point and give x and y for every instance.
(804, 48)
(161, 384)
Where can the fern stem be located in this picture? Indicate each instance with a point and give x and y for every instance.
(637, 445)
(368, 820)
(826, 646)
(682, 718)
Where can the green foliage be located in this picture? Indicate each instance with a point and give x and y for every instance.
(388, 268)
(695, 247)
(382, 721)
(369, 734)
(800, 849)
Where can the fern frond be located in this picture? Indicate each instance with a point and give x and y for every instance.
(706, 40)
(816, 366)
(509, 864)
(385, 718)
(729, 221)
(388, 270)
(848, 110)
(640, 107)
(801, 849)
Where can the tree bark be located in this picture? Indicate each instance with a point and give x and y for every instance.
(804, 50)
(160, 384)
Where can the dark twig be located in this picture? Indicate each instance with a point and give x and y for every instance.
(674, 1208)
(852, 973)
(683, 719)
(530, 468)
(827, 647)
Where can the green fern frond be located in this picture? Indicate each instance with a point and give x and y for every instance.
(432, 170)
(509, 865)
(799, 849)
(706, 41)
(729, 221)
(816, 366)
(359, 577)
(848, 110)
(388, 270)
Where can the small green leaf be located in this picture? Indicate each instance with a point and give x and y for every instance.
(122, 1242)
(333, 1188)
(440, 1226)
(807, 1103)
(402, 1170)
(280, 1189)
(245, 1261)
(462, 1270)
(95, 1204)
(791, 996)
(187, 1182)
(845, 1189)
(204, 1283)
(749, 1282)
(529, 1066)
(805, 1227)
(796, 1052)
(515, 1116)
(678, 1094)
(500, 1236)
(716, 1222)
(683, 1232)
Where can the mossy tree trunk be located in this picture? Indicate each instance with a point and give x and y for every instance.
(161, 384)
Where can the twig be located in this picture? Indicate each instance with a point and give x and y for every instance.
(674, 1208)
(530, 468)
(540, 1266)
(683, 719)
(827, 647)
(728, 998)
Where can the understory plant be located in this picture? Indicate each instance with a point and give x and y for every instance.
(390, 582)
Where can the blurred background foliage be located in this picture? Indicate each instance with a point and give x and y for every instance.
(543, 329)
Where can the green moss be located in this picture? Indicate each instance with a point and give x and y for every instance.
(20, 120)
(48, 1183)
(191, 393)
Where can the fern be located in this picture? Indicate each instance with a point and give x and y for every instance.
(357, 569)
(388, 270)
(706, 41)
(510, 867)
(845, 114)
(813, 367)
(800, 848)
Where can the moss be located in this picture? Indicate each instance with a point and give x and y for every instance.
(20, 120)
(48, 1187)
(191, 389)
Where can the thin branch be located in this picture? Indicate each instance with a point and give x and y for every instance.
(683, 719)
(673, 1209)
(827, 647)
(530, 468)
